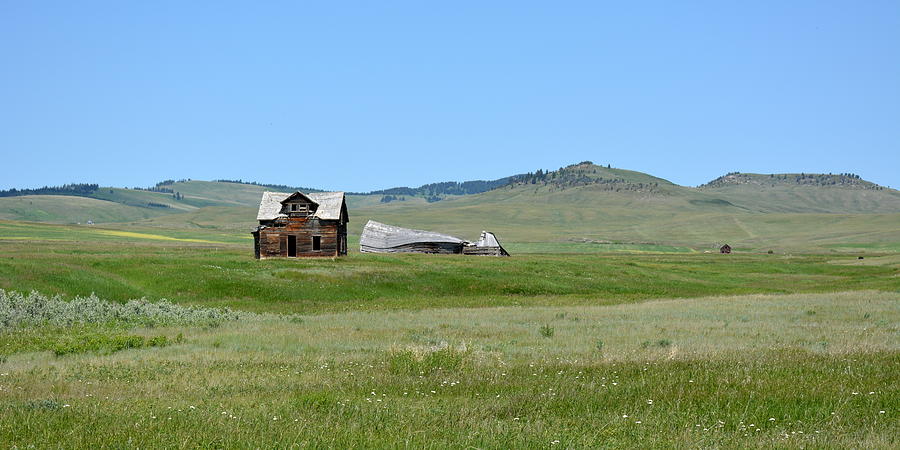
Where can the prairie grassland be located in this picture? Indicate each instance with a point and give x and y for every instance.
(885, 260)
(802, 370)
(537, 350)
(227, 275)
(78, 235)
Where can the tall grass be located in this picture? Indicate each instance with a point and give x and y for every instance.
(716, 371)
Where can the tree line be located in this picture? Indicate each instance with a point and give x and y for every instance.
(76, 189)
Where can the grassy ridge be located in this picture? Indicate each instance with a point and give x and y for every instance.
(813, 370)
(581, 203)
(219, 193)
(68, 209)
(645, 210)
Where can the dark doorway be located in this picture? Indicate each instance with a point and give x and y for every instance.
(317, 243)
(292, 246)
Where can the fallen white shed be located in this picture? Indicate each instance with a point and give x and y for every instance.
(382, 238)
(488, 245)
(378, 237)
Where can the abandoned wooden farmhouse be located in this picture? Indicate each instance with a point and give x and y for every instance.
(297, 225)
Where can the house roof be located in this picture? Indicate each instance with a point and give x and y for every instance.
(330, 204)
(379, 235)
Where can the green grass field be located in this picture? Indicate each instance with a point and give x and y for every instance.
(610, 326)
(799, 370)
(212, 270)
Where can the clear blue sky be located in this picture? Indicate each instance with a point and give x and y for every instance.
(376, 94)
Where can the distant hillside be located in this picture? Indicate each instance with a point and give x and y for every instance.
(433, 192)
(72, 209)
(804, 193)
(79, 190)
(594, 206)
(272, 187)
(600, 178)
(583, 205)
(793, 179)
(582, 174)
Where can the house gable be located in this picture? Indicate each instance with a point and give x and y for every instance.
(298, 205)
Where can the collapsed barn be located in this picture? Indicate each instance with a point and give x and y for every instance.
(487, 245)
(378, 237)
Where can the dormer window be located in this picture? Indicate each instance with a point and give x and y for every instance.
(298, 209)
(298, 205)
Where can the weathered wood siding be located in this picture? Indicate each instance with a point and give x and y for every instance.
(418, 247)
(484, 251)
(273, 241)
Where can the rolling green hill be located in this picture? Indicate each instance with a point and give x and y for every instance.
(108, 205)
(217, 193)
(584, 216)
(582, 207)
(590, 206)
(71, 209)
(806, 193)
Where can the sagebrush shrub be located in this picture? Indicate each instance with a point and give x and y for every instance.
(419, 361)
(18, 310)
(547, 331)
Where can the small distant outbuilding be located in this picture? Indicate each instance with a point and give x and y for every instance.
(725, 249)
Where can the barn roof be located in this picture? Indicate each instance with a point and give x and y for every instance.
(379, 235)
(489, 240)
(330, 204)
